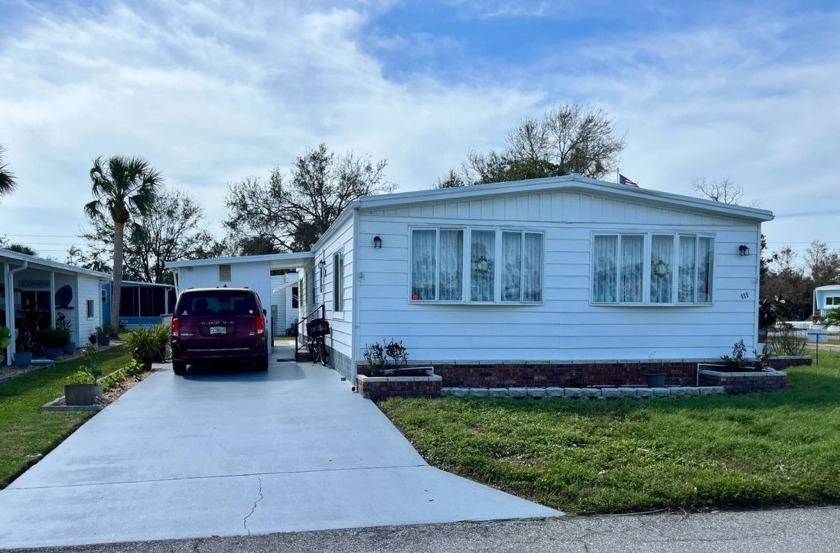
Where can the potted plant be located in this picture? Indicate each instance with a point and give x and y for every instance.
(70, 347)
(655, 377)
(23, 350)
(103, 334)
(5, 340)
(53, 341)
(82, 388)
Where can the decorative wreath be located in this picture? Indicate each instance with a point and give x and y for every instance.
(482, 265)
(660, 269)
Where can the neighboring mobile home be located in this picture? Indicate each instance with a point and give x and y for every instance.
(35, 291)
(826, 298)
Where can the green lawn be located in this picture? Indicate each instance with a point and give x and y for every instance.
(781, 448)
(26, 431)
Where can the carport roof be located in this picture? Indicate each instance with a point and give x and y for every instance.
(41, 263)
(275, 261)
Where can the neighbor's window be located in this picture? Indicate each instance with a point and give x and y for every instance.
(224, 273)
(476, 265)
(89, 309)
(338, 281)
(652, 268)
(295, 300)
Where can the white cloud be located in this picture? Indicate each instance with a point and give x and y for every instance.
(210, 96)
(213, 92)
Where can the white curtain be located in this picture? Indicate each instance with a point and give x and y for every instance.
(661, 269)
(604, 277)
(483, 265)
(687, 268)
(423, 265)
(511, 266)
(705, 255)
(632, 268)
(451, 276)
(532, 261)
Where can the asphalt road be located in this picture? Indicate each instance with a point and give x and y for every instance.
(785, 531)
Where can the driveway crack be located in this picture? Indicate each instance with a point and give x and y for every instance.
(254, 508)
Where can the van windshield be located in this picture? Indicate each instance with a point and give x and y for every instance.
(217, 302)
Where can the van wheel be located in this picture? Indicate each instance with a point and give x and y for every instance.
(179, 367)
(262, 363)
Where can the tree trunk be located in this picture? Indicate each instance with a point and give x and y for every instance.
(116, 285)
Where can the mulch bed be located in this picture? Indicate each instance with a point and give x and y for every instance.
(10, 372)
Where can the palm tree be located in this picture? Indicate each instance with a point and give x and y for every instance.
(7, 178)
(122, 187)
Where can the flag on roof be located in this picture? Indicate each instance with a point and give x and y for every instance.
(624, 180)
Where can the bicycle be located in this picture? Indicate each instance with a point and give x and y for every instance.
(315, 332)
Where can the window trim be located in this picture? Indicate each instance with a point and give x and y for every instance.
(466, 264)
(646, 267)
(338, 281)
(90, 309)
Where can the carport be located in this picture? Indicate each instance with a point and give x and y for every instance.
(253, 271)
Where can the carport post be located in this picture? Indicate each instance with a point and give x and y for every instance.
(52, 299)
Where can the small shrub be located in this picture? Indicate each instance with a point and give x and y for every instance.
(377, 356)
(784, 340)
(80, 377)
(738, 360)
(762, 359)
(90, 362)
(579, 379)
(134, 368)
(832, 318)
(53, 337)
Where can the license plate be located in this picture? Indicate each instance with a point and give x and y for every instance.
(218, 330)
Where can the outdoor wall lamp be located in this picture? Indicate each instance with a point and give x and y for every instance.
(377, 242)
(322, 265)
(744, 250)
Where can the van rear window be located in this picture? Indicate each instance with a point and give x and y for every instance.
(217, 303)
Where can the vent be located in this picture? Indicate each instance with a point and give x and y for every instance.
(224, 273)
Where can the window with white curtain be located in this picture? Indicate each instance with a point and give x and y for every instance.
(652, 268)
(476, 265)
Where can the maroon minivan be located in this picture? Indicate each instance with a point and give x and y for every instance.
(218, 324)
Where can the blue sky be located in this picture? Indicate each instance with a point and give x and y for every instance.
(212, 92)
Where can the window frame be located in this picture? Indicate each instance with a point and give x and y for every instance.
(338, 281)
(90, 309)
(466, 264)
(647, 254)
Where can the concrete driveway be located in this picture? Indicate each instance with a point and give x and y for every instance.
(225, 453)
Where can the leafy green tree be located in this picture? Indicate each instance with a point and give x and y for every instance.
(175, 228)
(569, 138)
(20, 248)
(822, 263)
(7, 178)
(291, 212)
(123, 187)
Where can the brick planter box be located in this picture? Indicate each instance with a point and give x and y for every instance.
(768, 380)
(378, 388)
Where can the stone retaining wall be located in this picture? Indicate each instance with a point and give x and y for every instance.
(584, 393)
(382, 387)
(745, 382)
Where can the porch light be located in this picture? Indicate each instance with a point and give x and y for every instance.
(744, 250)
(377, 242)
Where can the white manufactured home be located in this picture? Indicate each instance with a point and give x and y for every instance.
(523, 282)
(525, 276)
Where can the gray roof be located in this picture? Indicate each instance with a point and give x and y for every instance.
(49, 264)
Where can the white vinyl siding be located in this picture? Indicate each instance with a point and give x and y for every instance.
(566, 324)
(638, 269)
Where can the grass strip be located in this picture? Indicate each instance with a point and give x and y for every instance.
(26, 433)
(780, 448)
